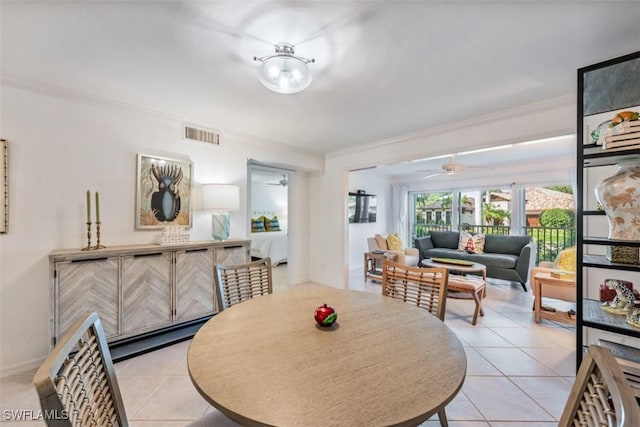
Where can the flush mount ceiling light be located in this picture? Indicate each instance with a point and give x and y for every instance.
(284, 72)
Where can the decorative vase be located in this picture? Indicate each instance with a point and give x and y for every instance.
(619, 195)
(220, 224)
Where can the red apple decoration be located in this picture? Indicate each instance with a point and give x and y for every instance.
(325, 316)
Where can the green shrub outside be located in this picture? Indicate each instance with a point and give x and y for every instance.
(556, 217)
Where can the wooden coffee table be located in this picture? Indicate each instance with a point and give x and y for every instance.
(461, 287)
(459, 269)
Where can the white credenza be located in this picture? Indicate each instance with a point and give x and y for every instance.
(140, 289)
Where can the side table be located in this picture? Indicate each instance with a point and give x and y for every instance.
(373, 264)
(544, 280)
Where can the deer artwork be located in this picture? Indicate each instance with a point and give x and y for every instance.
(165, 203)
(622, 199)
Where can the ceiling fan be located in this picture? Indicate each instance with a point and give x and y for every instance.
(451, 168)
(283, 182)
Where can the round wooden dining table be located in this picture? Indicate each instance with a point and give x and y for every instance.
(265, 362)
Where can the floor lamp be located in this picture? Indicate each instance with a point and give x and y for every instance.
(221, 199)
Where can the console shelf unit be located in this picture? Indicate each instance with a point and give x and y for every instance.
(617, 78)
(147, 296)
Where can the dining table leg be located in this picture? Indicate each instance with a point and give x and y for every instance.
(443, 418)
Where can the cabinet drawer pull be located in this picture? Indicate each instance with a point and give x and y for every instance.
(197, 250)
(233, 247)
(143, 255)
(89, 260)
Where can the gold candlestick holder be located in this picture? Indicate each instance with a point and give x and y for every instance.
(98, 245)
(88, 247)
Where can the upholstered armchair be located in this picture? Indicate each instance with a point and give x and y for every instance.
(406, 256)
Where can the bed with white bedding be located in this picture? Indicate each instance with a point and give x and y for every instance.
(273, 244)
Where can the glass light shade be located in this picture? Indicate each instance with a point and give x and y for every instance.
(284, 72)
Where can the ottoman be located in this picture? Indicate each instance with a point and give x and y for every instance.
(471, 285)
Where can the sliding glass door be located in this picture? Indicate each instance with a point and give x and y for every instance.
(547, 214)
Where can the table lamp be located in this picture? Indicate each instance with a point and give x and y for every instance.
(221, 199)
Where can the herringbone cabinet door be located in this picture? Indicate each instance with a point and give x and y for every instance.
(87, 286)
(232, 256)
(146, 286)
(195, 295)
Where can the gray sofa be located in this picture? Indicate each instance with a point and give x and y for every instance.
(506, 257)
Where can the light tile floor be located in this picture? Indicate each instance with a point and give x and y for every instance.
(519, 373)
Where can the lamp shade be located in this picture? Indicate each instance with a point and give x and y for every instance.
(220, 197)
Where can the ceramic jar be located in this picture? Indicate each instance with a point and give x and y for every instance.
(620, 196)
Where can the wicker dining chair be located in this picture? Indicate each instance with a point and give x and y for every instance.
(600, 396)
(78, 387)
(425, 288)
(77, 384)
(237, 283)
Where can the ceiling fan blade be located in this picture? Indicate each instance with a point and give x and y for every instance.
(433, 174)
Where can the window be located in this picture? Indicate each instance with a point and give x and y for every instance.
(550, 214)
(431, 211)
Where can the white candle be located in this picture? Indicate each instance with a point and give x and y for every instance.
(97, 208)
(88, 206)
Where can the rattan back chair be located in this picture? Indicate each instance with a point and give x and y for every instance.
(237, 283)
(601, 395)
(77, 384)
(423, 287)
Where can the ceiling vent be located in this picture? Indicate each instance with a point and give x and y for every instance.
(200, 133)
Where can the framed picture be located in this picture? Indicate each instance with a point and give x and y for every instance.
(163, 192)
(4, 188)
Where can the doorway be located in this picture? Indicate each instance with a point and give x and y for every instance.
(268, 213)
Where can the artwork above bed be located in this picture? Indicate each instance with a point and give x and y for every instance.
(268, 238)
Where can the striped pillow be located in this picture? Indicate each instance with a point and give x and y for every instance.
(257, 225)
(272, 224)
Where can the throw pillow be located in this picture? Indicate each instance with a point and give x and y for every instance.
(272, 224)
(381, 242)
(478, 243)
(463, 240)
(473, 244)
(394, 242)
(257, 225)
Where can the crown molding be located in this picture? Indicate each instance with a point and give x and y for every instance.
(536, 107)
(60, 92)
(54, 91)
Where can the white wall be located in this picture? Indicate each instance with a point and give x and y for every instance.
(358, 233)
(60, 146)
(329, 246)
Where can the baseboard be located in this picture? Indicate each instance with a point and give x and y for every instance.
(24, 368)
